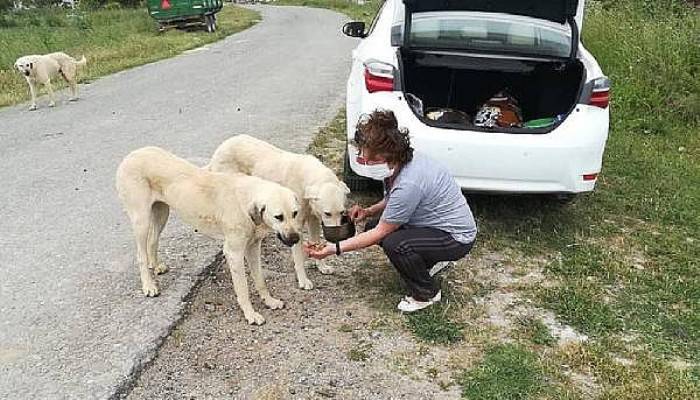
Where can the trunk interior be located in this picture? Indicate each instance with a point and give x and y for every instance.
(542, 88)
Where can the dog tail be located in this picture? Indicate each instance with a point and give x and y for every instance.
(82, 62)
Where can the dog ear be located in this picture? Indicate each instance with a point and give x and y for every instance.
(345, 187)
(256, 213)
(311, 192)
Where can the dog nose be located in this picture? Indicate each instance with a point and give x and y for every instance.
(293, 238)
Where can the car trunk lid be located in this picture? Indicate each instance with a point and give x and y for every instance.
(556, 11)
(559, 11)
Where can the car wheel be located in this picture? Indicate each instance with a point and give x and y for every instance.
(355, 182)
(564, 198)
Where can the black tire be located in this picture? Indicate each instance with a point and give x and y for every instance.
(355, 182)
(564, 199)
(209, 23)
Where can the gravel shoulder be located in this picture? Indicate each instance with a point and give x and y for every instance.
(328, 342)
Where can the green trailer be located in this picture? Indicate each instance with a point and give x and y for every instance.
(183, 13)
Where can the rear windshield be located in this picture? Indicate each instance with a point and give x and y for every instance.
(485, 32)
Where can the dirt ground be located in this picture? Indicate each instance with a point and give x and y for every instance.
(327, 342)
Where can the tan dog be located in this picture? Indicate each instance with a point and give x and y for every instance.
(42, 68)
(323, 195)
(239, 209)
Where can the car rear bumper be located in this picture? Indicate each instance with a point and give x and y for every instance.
(555, 162)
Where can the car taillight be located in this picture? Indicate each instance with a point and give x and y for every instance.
(600, 97)
(379, 77)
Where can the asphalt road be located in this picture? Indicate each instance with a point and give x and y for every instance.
(73, 321)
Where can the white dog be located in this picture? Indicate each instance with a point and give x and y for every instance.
(322, 195)
(239, 209)
(41, 68)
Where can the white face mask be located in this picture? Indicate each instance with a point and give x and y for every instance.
(376, 171)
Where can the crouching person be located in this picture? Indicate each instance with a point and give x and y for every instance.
(423, 222)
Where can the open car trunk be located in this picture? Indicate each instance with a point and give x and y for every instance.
(542, 88)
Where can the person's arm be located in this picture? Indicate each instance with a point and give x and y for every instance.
(397, 211)
(367, 238)
(364, 239)
(358, 213)
(376, 208)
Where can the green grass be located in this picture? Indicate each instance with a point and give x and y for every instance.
(508, 372)
(112, 40)
(627, 254)
(365, 12)
(435, 325)
(582, 305)
(535, 331)
(646, 378)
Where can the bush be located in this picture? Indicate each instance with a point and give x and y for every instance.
(130, 3)
(42, 3)
(5, 5)
(110, 4)
(92, 4)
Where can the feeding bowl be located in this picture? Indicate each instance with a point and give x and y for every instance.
(335, 234)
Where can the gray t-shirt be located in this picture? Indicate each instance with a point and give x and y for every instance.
(424, 194)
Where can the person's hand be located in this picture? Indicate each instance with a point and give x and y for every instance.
(357, 213)
(317, 250)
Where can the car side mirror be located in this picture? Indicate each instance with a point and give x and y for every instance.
(354, 29)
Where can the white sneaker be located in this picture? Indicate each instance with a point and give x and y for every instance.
(409, 304)
(439, 266)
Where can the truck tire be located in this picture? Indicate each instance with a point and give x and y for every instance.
(209, 23)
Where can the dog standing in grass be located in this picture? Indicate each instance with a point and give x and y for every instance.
(42, 68)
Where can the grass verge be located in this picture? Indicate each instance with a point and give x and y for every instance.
(364, 12)
(507, 372)
(112, 40)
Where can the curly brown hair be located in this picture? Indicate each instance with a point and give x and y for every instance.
(378, 134)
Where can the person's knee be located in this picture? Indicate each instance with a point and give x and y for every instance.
(392, 243)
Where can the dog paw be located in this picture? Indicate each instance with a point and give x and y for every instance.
(326, 269)
(305, 284)
(254, 318)
(161, 269)
(150, 289)
(73, 99)
(52, 104)
(273, 303)
(32, 108)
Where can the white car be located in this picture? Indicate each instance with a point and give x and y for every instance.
(456, 55)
